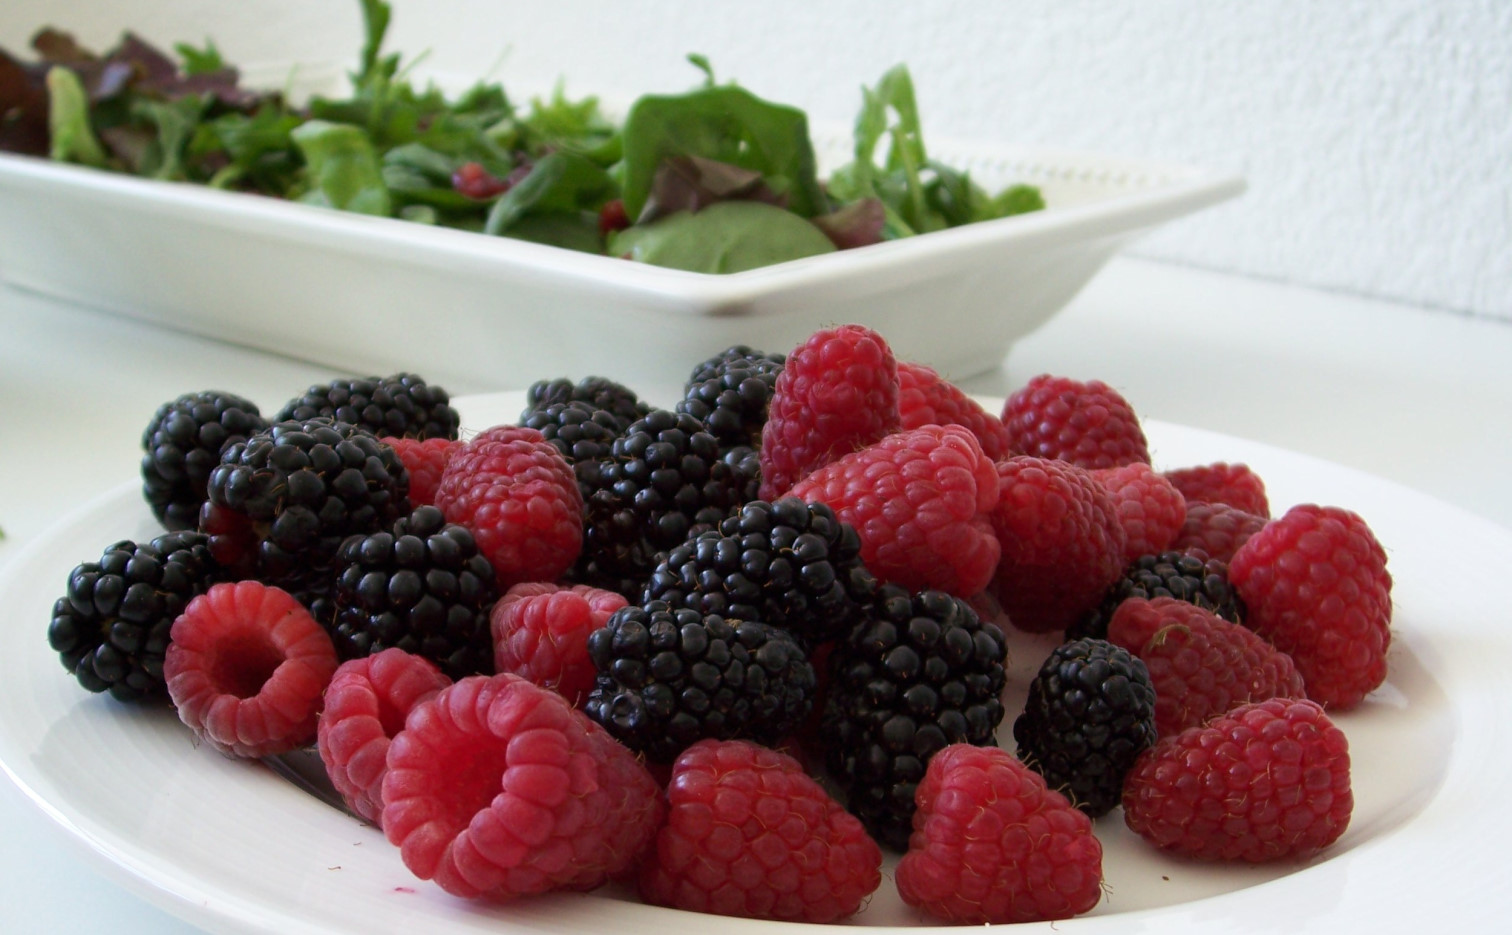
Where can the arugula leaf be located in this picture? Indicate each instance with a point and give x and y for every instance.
(726, 124)
(73, 139)
(206, 61)
(343, 170)
(176, 122)
(1015, 199)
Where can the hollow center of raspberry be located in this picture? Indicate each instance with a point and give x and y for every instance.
(476, 777)
(244, 664)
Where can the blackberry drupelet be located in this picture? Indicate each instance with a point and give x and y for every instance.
(664, 481)
(423, 588)
(111, 628)
(789, 564)
(1090, 713)
(1185, 576)
(923, 672)
(668, 678)
(401, 406)
(583, 433)
(183, 443)
(281, 502)
(730, 392)
(618, 400)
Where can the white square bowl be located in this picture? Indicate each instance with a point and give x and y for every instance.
(370, 295)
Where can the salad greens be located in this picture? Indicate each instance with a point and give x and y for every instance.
(715, 180)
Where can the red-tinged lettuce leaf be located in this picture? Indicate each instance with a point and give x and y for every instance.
(689, 183)
(23, 107)
(858, 224)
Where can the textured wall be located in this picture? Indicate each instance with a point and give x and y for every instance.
(1376, 134)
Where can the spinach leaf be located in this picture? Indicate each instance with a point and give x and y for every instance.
(343, 171)
(73, 139)
(727, 237)
(724, 123)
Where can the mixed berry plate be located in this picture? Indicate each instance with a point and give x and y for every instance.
(236, 847)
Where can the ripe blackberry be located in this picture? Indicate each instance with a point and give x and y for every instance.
(730, 392)
(1090, 713)
(183, 444)
(618, 400)
(789, 564)
(402, 405)
(924, 672)
(423, 588)
(668, 678)
(583, 433)
(111, 629)
(665, 480)
(280, 503)
(1186, 576)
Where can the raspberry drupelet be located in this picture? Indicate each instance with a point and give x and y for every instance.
(497, 788)
(247, 668)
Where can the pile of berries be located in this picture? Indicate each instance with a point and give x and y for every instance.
(729, 652)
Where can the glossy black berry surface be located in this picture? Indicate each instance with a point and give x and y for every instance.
(1090, 713)
(921, 673)
(730, 393)
(790, 564)
(668, 678)
(182, 444)
(422, 587)
(112, 627)
(1184, 576)
(398, 406)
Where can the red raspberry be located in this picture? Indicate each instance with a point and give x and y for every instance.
(520, 499)
(1267, 781)
(919, 499)
(365, 706)
(1088, 424)
(992, 845)
(540, 632)
(926, 398)
(1200, 664)
(1062, 543)
(498, 788)
(837, 392)
(1314, 583)
(1215, 529)
(425, 460)
(1150, 508)
(749, 834)
(1220, 482)
(246, 667)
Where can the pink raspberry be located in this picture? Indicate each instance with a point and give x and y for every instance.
(749, 834)
(1314, 583)
(246, 668)
(926, 398)
(1200, 664)
(837, 392)
(1221, 482)
(498, 788)
(519, 497)
(540, 632)
(365, 706)
(919, 500)
(1088, 424)
(1217, 530)
(1267, 781)
(1150, 508)
(425, 460)
(993, 845)
(1062, 543)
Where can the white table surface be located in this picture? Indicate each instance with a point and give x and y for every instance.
(1417, 396)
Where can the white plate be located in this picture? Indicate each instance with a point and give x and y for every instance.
(232, 847)
(375, 295)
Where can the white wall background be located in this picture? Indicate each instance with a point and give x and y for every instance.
(1376, 135)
